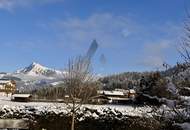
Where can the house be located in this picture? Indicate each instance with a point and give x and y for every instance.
(132, 94)
(67, 99)
(21, 97)
(118, 96)
(99, 99)
(7, 87)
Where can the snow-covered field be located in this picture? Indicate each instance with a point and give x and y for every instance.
(184, 126)
(10, 109)
(7, 105)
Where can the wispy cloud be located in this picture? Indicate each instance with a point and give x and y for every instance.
(108, 29)
(120, 34)
(154, 54)
(159, 45)
(12, 4)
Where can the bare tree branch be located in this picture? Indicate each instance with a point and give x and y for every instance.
(79, 84)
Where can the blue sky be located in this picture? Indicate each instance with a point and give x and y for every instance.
(133, 35)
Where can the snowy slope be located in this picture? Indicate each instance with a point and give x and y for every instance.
(35, 76)
(36, 69)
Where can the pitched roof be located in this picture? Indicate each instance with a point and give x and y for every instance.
(22, 95)
(114, 93)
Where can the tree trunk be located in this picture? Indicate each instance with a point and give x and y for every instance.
(73, 116)
(73, 121)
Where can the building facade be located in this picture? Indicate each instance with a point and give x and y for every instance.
(7, 87)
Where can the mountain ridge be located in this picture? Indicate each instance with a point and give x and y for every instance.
(36, 69)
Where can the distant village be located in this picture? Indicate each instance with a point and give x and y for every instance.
(118, 96)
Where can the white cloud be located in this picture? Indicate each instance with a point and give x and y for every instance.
(154, 54)
(162, 48)
(121, 34)
(108, 29)
(11, 4)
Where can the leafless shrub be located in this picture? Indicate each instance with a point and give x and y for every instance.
(79, 84)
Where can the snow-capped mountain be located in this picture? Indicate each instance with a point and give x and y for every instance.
(36, 69)
(2, 74)
(35, 76)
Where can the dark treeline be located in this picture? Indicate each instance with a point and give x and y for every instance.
(154, 83)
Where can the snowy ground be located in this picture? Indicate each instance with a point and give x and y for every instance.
(184, 126)
(6, 103)
(9, 109)
(9, 106)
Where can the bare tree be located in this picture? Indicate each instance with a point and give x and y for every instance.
(79, 84)
(184, 48)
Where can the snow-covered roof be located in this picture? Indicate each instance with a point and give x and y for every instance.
(114, 93)
(21, 95)
(122, 90)
(132, 91)
(117, 98)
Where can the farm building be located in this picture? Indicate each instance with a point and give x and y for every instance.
(118, 96)
(21, 97)
(100, 99)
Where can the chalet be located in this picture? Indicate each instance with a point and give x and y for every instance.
(21, 97)
(132, 94)
(7, 87)
(118, 96)
(99, 99)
